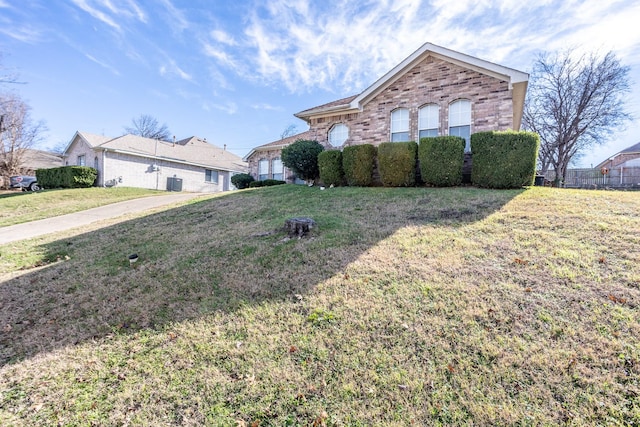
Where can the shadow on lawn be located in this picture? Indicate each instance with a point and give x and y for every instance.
(213, 255)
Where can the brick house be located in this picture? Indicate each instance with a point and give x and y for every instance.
(434, 91)
(191, 164)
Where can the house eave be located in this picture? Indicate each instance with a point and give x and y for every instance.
(167, 159)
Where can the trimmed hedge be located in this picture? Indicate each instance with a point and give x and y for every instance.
(242, 180)
(441, 160)
(67, 177)
(265, 183)
(504, 159)
(330, 165)
(358, 162)
(397, 163)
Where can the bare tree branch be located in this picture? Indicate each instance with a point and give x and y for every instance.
(574, 104)
(18, 133)
(147, 126)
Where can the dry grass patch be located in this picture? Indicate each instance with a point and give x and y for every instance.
(424, 306)
(20, 207)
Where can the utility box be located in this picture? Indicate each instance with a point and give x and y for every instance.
(174, 184)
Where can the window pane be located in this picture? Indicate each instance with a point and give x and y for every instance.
(400, 120)
(460, 113)
(276, 166)
(338, 135)
(428, 133)
(211, 176)
(464, 132)
(263, 168)
(428, 118)
(400, 137)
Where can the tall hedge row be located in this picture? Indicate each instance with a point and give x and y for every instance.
(397, 163)
(330, 165)
(358, 162)
(67, 177)
(504, 159)
(441, 160)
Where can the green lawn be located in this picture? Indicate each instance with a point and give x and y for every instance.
(18, 207)
(403, 307)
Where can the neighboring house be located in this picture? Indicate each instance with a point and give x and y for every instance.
(36, 159)
(190, 164)
(629, 157)
(435, 91)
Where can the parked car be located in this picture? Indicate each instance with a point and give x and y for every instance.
(27, 183)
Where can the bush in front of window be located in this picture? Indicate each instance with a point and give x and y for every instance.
(301, 158)
(330, 166)
(242, 180)
(397, 163)
(358, 162)
(266, 183)
(67, 177)
(441, 159)
(504, 159)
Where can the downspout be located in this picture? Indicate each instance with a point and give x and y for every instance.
(104, 164)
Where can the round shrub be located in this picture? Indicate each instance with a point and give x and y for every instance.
(242, 180)
(330, 166)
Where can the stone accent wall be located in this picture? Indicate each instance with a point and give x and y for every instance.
(433, 81)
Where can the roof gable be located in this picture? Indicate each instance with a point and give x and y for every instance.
(517, 80)
(192, 150)
(280, 143)
(90, 139)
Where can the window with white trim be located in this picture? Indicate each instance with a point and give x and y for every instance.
(263, 169)
(211, 176)
(82, 160)
(277, 170)
(400, 125)
(428, 121)
(460, 121)
(338, 134)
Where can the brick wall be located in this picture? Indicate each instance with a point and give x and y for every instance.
(268, 155)
(433, 81)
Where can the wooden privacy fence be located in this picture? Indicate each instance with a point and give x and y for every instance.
(595, 178)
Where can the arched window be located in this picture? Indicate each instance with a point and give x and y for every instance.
(338, 134)
(400, 125)
(428, 121)
(460, 121)
(277, 170)
(263, 169)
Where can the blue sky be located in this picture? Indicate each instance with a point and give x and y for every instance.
(235, 72)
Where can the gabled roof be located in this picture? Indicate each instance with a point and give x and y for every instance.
(633, 149)
(92, 140)
(517, 80)
(194, 151)
(281, 143)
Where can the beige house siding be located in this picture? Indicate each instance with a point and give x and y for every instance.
(433, 81)
(79, 147)
(133, 171)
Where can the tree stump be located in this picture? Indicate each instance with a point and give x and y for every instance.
(298, 226)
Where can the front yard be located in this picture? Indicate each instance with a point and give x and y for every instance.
(405, 306)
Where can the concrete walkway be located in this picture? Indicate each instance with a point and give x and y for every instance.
(41, 227)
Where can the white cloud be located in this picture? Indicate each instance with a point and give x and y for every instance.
(265, 106)
(110, 11)
(171, 68)
(25, 34)
(102, 64)
(176, 18)
(223, 37)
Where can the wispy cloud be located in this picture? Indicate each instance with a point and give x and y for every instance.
(171, 68)
(176, 19)
(111, 11)
(26, 34)
(268, 107)
(229, 107)
(345, 46)
(102, 64)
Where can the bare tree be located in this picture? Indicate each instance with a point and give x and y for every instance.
(18, 133)
(289, 131)
(148, 127)
(574, 104)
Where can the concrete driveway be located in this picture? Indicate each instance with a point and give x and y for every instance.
(41, 227)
